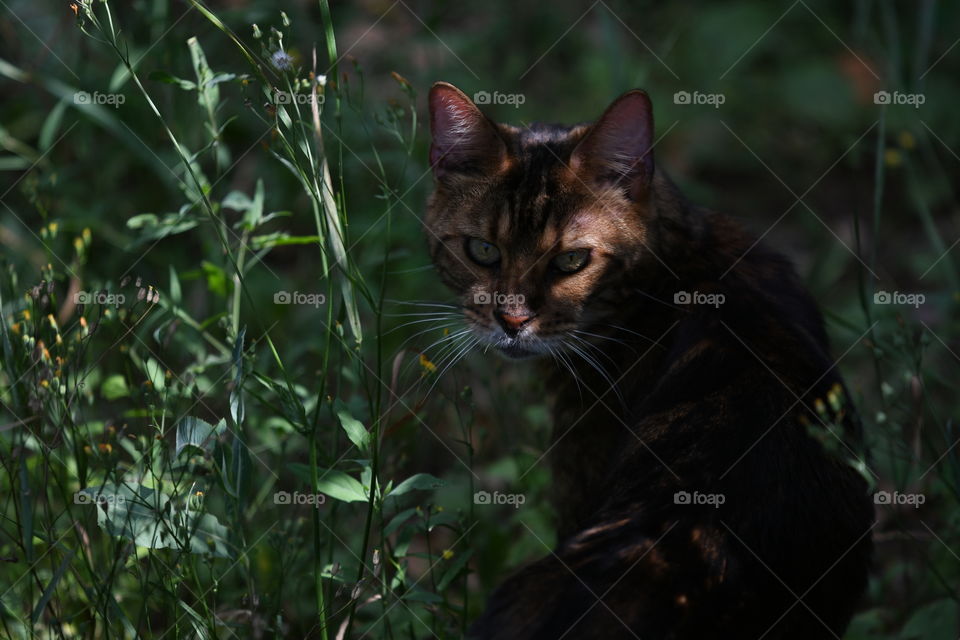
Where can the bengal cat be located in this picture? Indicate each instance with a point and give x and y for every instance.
(702, 433)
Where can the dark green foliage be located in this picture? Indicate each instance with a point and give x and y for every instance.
(218, 414)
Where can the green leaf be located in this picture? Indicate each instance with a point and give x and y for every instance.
(336, 484)
(175, 292)
(194, 432)
(209, 94)
(340, 486)
(419, 595)
(163, 76)
(153, 227)
(217, 280)
(399, 520)
(355, 430)
(284, 117)
(457, 564)
(51, 126)
(15, 163)
(155, 374)
(236, 394)
(236, 200)
(148, 518)
(255, 212)
(280, 239)
(114, 387)
(935, 621)
(240, 467)
(418, 482)
(52, 587)
(198, 622)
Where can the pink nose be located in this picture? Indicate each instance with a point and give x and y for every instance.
(512, 323)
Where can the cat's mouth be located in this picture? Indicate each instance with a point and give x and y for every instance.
(519, 347)
(513, 349)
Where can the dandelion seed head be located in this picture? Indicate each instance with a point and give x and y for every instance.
(281, 60)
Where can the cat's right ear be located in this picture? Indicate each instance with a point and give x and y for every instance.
(464, 140)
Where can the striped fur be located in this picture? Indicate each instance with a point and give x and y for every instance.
(719, 399)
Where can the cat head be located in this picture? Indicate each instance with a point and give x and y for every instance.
(535, 228)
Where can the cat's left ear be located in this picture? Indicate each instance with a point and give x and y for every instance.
(618, 148)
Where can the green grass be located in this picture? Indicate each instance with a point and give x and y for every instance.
(169, 421)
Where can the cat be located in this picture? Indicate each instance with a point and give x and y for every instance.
(703, 438)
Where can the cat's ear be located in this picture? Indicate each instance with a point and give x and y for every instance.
(618, 148)
(463, 139)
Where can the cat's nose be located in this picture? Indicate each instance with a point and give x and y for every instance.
(511, 323)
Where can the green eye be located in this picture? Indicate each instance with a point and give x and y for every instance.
(482, 252)
(571, 261)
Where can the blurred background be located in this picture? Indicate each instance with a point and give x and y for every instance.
(166, 153)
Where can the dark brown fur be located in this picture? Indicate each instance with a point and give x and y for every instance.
(719, 400)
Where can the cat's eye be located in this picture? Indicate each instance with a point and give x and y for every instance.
(482, 252)
(571, 261)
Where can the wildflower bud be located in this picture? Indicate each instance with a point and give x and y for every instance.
(820, 407)
(256, 32)
(833, 399)
(284, 19)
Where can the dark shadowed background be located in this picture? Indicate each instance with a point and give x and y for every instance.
(201, 337)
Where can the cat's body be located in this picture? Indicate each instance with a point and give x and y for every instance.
(693, 500)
